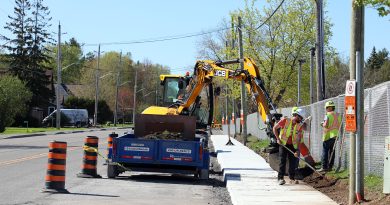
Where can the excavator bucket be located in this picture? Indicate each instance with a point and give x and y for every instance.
(152, 124)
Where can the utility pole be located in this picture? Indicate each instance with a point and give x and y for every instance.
(319, 52)
(135, 94)
(301, 61)
(233, 98)
(226, 109)
(59, 83)
(323, 90)
(226, 98)
(356, 169)
(234, 116)
(312, 54)
(360, 129)
(243, 93)
(96, 88)
(117, 89)
(360, 108)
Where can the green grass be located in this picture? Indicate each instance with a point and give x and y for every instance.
(23, 130)
(257, 144)
(344, 174)
(373, 182)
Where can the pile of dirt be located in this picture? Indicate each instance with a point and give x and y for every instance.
(338, 190)
(166, 135)
(317, 181)
(376, 198)
(335, 189)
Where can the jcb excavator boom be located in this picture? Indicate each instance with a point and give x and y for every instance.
(205, 70)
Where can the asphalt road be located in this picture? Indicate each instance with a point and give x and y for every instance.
(23, 164)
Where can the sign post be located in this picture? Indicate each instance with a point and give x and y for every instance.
(26, 122)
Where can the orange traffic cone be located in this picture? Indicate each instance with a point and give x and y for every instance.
(55, 175)
(109, 144)
(90, 158)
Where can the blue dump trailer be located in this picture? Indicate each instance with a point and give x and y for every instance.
(185, 155)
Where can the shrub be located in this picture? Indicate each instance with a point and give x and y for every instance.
(13, 99)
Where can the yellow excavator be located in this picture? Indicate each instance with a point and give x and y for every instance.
(204, 72)
(189, 90)
(187, 105)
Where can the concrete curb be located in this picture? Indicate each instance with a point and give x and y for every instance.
(58, 132)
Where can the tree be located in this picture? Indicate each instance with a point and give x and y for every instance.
(373, 62)
(125, 103)
(382, 6)
(385, 72)
(276, 45)
(4, 62)
(377, 68)
(27, 56)
(148, 78)
(383, 56)
(38, 56)
(13, 98)
(72, 60)
(20, 26)
(337, 72)
(125, 98)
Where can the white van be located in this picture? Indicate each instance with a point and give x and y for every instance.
(74, 117)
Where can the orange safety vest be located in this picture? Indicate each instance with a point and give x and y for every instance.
(289, 131)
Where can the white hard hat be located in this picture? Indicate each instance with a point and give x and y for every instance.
(300, 112)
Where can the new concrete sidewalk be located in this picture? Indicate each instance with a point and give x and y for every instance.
(250, 180)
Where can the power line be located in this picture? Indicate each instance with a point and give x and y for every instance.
(277, 8)
(159, 39)
(176, 37)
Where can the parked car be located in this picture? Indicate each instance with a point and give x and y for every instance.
(69, 117)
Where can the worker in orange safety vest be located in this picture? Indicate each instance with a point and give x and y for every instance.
(290, 137)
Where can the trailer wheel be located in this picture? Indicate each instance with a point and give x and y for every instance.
(204, 174)
(112, 171)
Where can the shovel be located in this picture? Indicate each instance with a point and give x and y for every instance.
(303, 160)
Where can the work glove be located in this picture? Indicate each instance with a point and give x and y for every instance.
(296, 154)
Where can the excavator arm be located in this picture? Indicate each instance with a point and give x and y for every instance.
(206, 70)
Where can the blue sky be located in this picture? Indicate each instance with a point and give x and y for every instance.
(98, 21)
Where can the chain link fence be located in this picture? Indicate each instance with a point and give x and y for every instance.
(376, 128)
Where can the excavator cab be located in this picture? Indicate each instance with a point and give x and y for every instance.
(173, 89)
